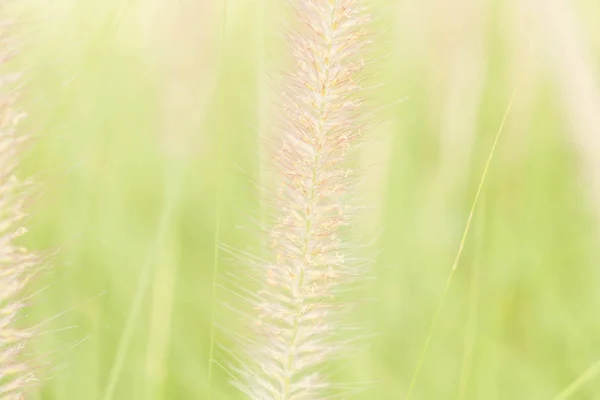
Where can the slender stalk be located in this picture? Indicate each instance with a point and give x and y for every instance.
(217, 230)
(589, 374)
(163, 290)
(136, 308)
(470, 338)
(461, 247)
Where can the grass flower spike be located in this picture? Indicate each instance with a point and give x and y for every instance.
(16, 263)
(299, 314)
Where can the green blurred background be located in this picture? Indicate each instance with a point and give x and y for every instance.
(148, 118)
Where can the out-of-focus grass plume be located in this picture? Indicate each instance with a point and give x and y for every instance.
(145, 113)
(18, 369)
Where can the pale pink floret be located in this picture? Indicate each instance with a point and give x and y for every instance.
(16, 263)
(298, 316)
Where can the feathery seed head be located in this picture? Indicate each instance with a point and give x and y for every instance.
(298, 322)
(16, 263)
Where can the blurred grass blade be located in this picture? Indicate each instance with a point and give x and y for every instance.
(217, 211)
(458, 254)
(136, 307)
(584, 378)
(470, 338)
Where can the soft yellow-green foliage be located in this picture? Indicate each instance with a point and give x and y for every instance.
(148, 116)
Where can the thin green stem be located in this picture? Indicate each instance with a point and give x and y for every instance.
(138, 301)
(458, 256)
(471, 323)
(214, 292)
(590, 373)
(163, 290)
(217, 229)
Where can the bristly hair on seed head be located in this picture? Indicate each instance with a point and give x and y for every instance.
(296, 324)
(17, 264)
